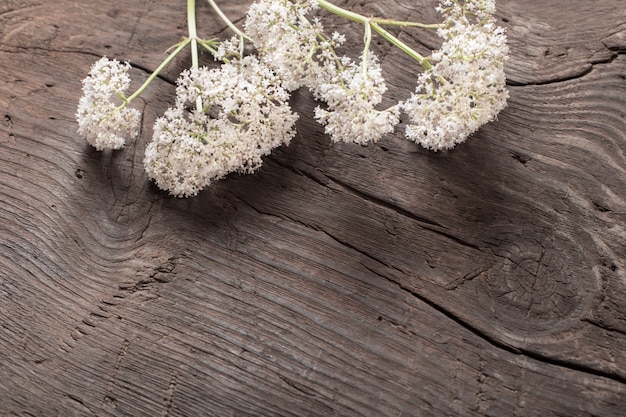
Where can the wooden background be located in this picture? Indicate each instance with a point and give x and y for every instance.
(339, 280)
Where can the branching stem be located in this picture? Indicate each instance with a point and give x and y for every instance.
(369, 23)
(375, 24)
(156, 72)
(193, 36)
(366, 48)
(226, 20)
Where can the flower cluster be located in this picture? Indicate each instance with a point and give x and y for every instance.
(466, 86)
(305, 57)
(285, 39)
(243, 115)
(103, 123)
(351, 96)
(228, 118)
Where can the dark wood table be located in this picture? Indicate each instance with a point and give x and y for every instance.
(339, 280)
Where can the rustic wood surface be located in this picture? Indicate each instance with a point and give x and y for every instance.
(339, 280)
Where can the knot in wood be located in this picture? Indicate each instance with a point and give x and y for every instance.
(540, 286)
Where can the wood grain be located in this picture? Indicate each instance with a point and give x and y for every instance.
(383, 280)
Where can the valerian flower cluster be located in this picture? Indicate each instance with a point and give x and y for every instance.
(244, 115)
(465, 87)
(102, 122)
(227, 118)
(350, 90)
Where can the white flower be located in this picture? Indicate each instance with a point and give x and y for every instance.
(186, 154)
(301, 55)
(351, 95)
(229, 48)
(244, 115)
(466, 85)
(286, 40)
(102, 122)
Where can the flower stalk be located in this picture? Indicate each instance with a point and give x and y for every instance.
(375, 23)
(242, 109)
(228, 22)
(158, 70)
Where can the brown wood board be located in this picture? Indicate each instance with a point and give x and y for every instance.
(380, 280)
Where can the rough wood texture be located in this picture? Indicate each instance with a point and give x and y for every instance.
(340, 280)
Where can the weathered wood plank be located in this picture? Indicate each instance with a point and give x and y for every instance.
(339, 280)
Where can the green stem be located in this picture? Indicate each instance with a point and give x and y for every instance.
(366, 47)
(193, 36)
(156, 72)
(226, 20)
(391, 22)
(208, 45)
(401, 45)
(339, 11)
(375, 24)
(193, 32)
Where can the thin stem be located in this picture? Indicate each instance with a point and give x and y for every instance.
(226, 20)
(367, 41)
(339, 11)
(399, 23)
(375, 24)
(208, 45)
(193, 36)
(156, 72)
(397, 42)
(321, 37)
(193, 32)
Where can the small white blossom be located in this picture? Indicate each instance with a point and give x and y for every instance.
(226, 119)
(229, 48)
(304, 56)
(466, 85)
(286, 40)
(187, 153)
(101, 121)
(244, 115)
(351, 95)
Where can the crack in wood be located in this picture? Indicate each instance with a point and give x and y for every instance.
(615, 53)
(425, 223)
(540, 357)
(160, 274)
(149, 71)
(465, 278)
(585, 71)
(462, 323)
(168, 399)
(299, 387)
(380, 202)
(109, 402)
